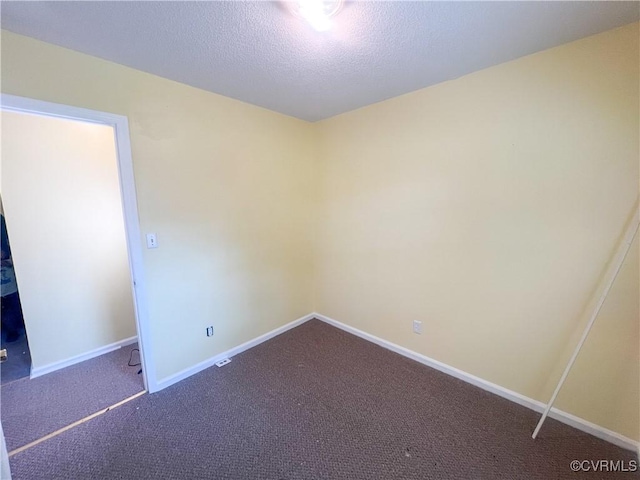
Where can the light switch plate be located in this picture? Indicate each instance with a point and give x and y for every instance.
(152, 241)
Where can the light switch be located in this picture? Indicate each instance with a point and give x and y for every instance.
(152, 241)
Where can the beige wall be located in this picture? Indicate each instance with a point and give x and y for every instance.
(603, 384)
(64, 215)
(487, 207)
(222, 183)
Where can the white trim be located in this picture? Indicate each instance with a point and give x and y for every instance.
(621, 255)
(564, 417)
(52, 367)
(120, 126)
(5, 470)
(187, 372)
(590, 428)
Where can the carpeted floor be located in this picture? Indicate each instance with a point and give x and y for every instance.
(31, 409)
(18, 363)
(316, 403)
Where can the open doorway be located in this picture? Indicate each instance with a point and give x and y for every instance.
(69, 200)
(16, 358)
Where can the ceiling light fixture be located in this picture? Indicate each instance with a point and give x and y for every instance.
(317, 12)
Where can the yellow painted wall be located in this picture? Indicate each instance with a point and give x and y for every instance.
(487, 207)
(603, 384)
(222, 183)
(61, 197)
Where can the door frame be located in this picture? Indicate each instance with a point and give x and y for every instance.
(120, 125)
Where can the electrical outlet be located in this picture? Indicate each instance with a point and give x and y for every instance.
(417, 327)
(210, 331)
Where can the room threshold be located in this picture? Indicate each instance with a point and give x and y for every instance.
(75, 424)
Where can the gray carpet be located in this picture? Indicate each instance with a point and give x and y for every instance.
(316, 403)
(34, 408)
(18, 364)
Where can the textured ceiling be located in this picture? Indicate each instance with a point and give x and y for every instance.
(259, 53)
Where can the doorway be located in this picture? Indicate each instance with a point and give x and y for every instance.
(82, 291)
(15, 357)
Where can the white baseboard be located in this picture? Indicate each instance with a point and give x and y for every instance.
(52, 367)
(567, 418)
(564, 417)
(187, 372)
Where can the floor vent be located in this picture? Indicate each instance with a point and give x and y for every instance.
(222, 363)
